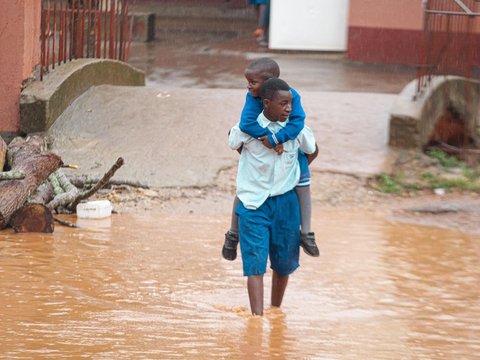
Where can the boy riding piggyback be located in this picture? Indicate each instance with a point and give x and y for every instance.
(256, 74)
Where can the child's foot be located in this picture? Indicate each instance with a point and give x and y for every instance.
(307, 242)
(229, 250)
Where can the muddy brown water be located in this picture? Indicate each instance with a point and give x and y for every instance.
(146, 286)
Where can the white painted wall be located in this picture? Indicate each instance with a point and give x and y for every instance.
(319, 25)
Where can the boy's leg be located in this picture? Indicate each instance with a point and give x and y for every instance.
(279, 284)
(284, 244)
(307, 236)
(254, 226)
(305, 202)
(234, 219)
(229, 250)
(255, 293)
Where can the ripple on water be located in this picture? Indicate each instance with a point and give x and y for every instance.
(139, 287)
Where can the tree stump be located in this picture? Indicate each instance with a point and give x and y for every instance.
(37, 165)
(32, 218)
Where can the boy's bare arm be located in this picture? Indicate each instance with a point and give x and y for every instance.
(313, 156)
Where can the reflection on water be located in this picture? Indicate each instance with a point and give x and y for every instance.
(151, 287)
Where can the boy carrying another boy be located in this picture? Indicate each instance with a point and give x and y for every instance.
(256, 74)
(269, 215)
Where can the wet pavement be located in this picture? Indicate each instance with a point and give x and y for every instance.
(195, 92)
(220, 59)
(137, 287)
(178, 137)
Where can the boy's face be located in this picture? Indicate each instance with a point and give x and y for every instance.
(255, 81)
(279, 107)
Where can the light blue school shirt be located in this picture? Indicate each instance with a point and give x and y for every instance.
(263, 173)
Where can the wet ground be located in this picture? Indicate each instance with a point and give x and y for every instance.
(150, 283)
(220, 60)
(137, 287)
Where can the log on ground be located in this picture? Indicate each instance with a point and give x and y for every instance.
(32, 218)
(37, 165)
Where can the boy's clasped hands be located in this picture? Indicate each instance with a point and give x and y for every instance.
(278, 148)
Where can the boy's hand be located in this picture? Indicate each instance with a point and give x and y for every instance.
(278, 149)
(258, 32)
(265, 141)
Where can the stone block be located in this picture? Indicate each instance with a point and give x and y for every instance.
(42, 102)
(413, 118)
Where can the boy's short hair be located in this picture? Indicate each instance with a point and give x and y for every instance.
(272, 86)
(267, 67)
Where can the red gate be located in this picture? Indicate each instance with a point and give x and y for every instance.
(451, 44)
(74, 29)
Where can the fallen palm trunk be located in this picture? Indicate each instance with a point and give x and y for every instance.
(12, 175)
(68, 196)
(65, 192)
(26, 156)
(43, 195)
(103, 181)
(82, 181)
(7, 175)
(32, 218)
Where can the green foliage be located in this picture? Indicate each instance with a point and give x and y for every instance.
(444, 159)
(436, 182)
(433, 181)
(462, 178)
(471, 174)
(388, 184)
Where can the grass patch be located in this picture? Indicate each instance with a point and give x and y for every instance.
(449, 173)
(444, 159)
(388, 184)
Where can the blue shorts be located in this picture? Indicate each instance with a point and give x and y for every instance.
(258, 2)
(271, 230)
(304, 170)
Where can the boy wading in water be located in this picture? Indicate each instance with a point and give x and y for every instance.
(256, 74)
(269, 214)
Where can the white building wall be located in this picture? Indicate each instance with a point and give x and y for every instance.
(319, 25)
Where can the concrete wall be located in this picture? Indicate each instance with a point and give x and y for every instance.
(19, 49)
(384, 14)
(413, 120)
(382, 31)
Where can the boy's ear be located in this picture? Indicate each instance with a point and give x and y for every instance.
(266, 103)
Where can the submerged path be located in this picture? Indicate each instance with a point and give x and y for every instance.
(147, 286)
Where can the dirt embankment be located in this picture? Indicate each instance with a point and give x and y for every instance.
(455, 209)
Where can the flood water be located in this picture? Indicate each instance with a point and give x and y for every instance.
(142, 286)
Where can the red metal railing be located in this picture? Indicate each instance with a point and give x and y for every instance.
(74, 29)
(451, 44)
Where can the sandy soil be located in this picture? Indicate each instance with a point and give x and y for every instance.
(454, 210)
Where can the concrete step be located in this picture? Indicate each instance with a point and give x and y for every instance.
(190, 17)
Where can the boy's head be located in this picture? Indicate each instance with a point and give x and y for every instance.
(258, 71)
(277, 99)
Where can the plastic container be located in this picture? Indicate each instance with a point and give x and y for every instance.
(94, 209)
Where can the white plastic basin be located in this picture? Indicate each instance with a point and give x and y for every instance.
(94, 209)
